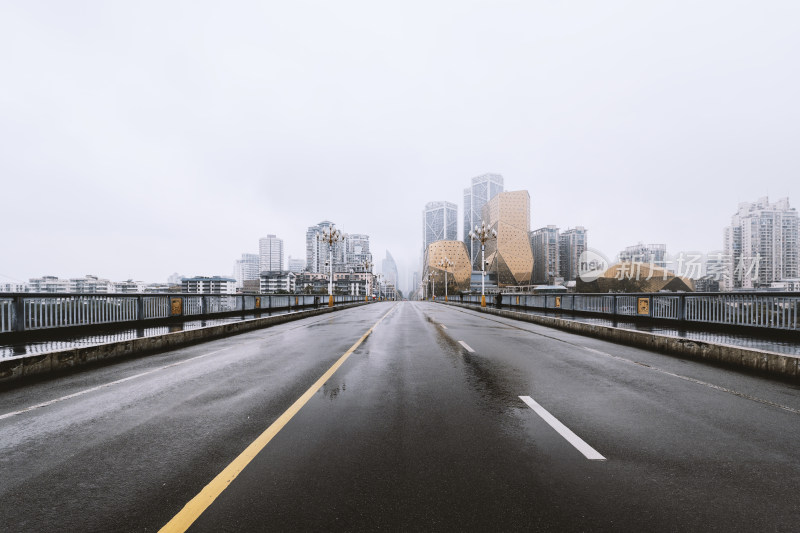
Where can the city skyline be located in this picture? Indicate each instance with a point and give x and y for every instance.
(136, 169)
(621, 255)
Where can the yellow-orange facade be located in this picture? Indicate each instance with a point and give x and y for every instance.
(458, 275)
(510, 255)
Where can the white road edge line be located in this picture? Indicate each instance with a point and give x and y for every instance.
(699, 382)
(104, 385)
(466, 346)
(579, 444)
(443, 326)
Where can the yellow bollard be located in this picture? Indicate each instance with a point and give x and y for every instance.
(330, 300)
(483, 300)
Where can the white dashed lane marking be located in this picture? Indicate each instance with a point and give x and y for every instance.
(466, 346)
(579, 444)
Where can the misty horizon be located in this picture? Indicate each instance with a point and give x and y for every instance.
(139, 141)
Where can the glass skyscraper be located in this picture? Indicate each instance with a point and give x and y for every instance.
(478, 194)
(440, 222)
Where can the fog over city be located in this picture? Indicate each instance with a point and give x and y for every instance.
(139, 139)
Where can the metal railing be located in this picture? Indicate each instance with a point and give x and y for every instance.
(21, 312)
(767, 310)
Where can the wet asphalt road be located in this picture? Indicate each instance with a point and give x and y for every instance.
(413, 432)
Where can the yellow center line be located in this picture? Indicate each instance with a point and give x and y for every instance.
(192, 510)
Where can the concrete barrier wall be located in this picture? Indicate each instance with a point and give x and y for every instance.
(16, 368)
(771, 363)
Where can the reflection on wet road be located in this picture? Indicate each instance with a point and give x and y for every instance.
(427, 425)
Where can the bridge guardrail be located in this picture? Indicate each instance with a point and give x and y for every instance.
(765, 310)
(20, 312)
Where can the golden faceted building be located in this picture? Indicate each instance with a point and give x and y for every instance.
(458, 275)
(510, 255)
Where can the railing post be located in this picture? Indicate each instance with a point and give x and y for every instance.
(203, 305)
(681, 307)
(614, 306)
(19, 314)
(139, 308)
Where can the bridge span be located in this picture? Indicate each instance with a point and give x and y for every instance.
(401, 416)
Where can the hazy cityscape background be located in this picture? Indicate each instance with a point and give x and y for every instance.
(139, 141)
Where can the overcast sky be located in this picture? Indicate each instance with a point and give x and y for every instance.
(143, 138)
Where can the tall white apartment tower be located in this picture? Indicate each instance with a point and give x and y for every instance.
(572, 243)
(440, 222)
(356, 252)
(482, 189)
(761, 245)
(317, 251)
(246, 269)
(270, 251)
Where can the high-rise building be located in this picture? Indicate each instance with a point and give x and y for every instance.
(317, 250)
(389, 269)
(295, 265)
(652, 254)
(571, 244)
(761, 244)
(440, 222)
(270, 250)
(356, 252)
(509, 255)
(350, 253)
(545, 247)
(482, 189)
(716, 266)
(246, 269)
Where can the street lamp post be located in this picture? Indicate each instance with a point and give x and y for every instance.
(445, 264)
(430, 279)
(330, 236)
(483, 234)
(368, 278)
